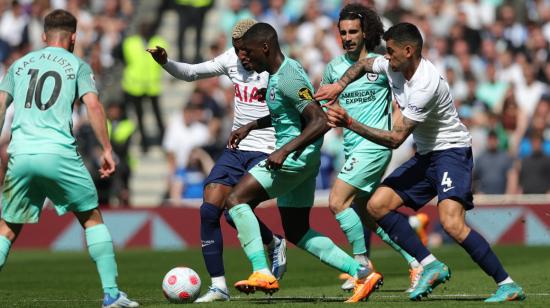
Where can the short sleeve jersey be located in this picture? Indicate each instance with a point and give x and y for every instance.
(289, 91)
(367, 100)
(44, 85)
(426, 98)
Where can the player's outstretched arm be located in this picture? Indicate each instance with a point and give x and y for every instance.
(185, 71)
(331, 91)
(240, 133)
(315, 126)
(402, 127)
(98, 121)
(5, 100)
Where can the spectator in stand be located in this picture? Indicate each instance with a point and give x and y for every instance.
(185, 132)
(13, 23)
(191, 15)
(142, 79)
(192, 177)
(534, 170)
(494, 172)
(492, 92)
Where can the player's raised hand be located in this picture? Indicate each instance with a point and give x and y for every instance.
(159, 54)
(328, 92)
(107, 165)
(338, 117)
(237, 136)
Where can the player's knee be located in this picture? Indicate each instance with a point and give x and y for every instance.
(376, 208)
(232, 200)
(335, 206)
(454, 226)
(294, 235)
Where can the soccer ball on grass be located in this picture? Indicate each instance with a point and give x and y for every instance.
(181, 285)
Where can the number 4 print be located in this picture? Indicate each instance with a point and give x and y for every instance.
(446, 181)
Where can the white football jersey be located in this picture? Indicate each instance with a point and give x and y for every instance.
(426, 98)
(247, 84)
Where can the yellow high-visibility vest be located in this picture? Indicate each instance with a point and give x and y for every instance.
(194, 3)
(142, 75)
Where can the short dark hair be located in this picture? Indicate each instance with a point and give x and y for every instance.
(60, 20)
(261, 32)
(405, 33)
(371, 24)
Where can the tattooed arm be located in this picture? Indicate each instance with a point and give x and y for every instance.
(402, 128)
(331, 91)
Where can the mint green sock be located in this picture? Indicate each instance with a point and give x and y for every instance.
(323, 248)
(351, 224)
(5, 245)
(249, 235)
(386, 238)
(100, 247)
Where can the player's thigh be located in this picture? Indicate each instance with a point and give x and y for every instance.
(228, 170)
(453, 175)
(22, 196)
(410, 182)
(364, 170)
(279, 182)
(69, 185)
(302, 194)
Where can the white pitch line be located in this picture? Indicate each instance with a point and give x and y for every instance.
(275, 298)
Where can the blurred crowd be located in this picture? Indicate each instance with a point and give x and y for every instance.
(494, 54)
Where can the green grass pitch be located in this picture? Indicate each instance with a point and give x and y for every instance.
(55, 279)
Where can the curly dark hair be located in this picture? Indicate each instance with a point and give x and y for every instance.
(370, 23)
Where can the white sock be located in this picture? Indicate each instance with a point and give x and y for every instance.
(361, 258)
(219, 282)
(427, 260)
(414, 264)
(265, 271)
(505, 281)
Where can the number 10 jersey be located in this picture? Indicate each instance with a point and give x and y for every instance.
(44, 85)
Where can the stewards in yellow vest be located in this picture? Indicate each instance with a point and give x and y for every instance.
(142, 79)
(191, 15)
(120, 130)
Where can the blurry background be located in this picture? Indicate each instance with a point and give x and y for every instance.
(494, 54)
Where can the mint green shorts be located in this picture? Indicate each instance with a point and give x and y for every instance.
(291, 187)
(364, 170)
(32, 178)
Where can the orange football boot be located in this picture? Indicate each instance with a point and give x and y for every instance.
(365, 286)
(258, 282)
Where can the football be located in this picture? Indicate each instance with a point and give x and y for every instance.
(181, 285)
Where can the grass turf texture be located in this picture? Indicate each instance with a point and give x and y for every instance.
(62, 279)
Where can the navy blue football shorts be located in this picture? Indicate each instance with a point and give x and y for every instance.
(446, 174)
(232, 165)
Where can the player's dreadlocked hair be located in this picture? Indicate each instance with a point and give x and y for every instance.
(241, 27)
(370, 23)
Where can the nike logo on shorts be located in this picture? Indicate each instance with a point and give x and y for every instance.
(446, 189)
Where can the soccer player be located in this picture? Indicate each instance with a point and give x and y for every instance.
(369, 101)
(289, 173)
(249, 105)
(44, 162)
(442, 166)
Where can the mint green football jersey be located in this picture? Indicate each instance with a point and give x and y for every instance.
(44, 85)
(367, 100)
(288, 93)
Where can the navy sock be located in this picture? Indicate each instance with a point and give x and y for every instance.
(267, 235)
(399, 230)
(212, 239)
(367, 232)
(483, 255)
